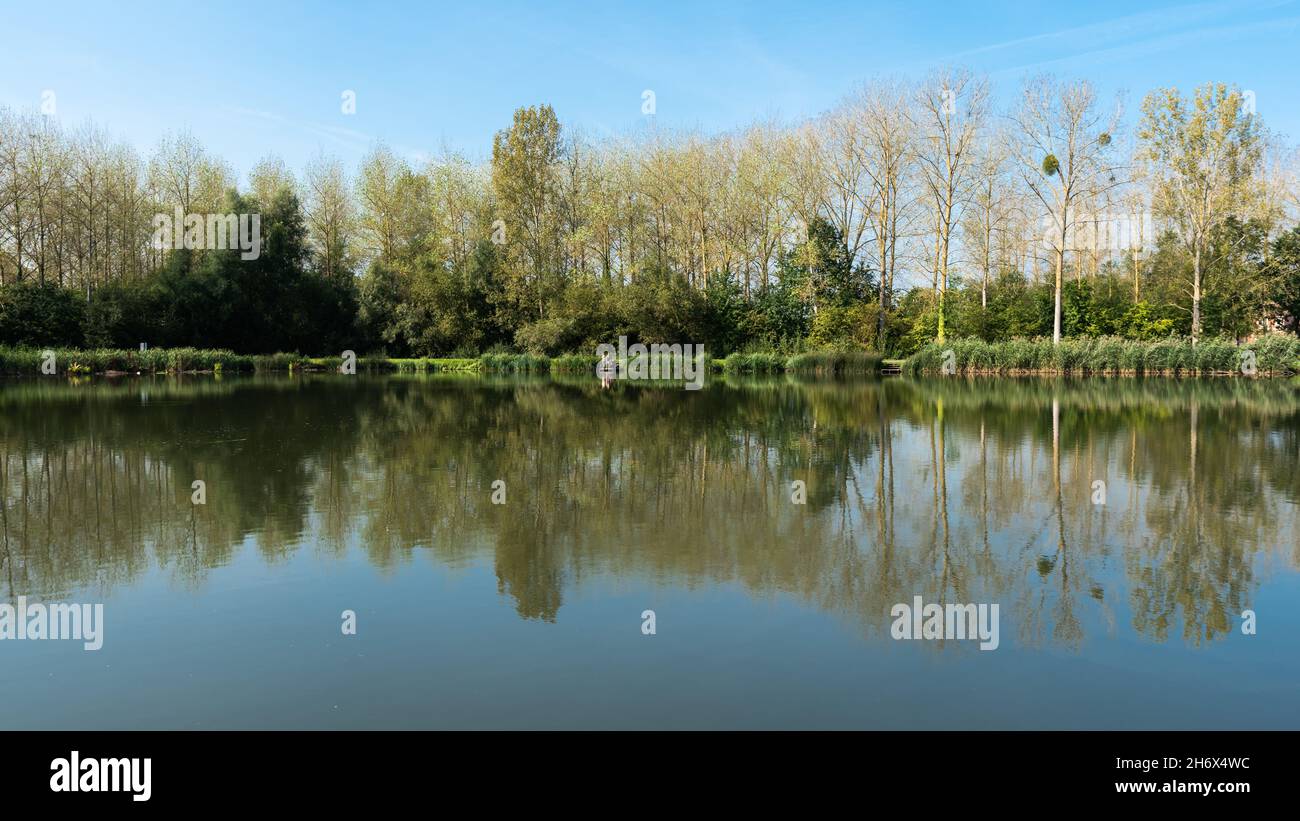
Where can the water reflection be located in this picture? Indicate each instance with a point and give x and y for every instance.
(959, 491)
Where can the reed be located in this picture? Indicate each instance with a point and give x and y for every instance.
(575, 363)
(834, 363)
(1274, 355)
(755, 362)
(514, 363)
(28, 361)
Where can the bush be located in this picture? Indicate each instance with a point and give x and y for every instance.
(1276, 353)
(837, 326)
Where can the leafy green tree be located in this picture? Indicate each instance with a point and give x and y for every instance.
(378, 298)
(1203, 154)
(122, 315)
(1283, 275)
(1142, 322)
(525, 160)
(40, 314)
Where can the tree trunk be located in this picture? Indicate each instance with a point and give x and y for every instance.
(1196, 294)
(1137, 297)
(1056, 312)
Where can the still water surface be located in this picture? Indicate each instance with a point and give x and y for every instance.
(374, 494)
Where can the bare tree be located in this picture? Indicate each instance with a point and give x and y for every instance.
(950, 115)
(891, 145)
(989, 211)
(1062, 156)
(845, 158)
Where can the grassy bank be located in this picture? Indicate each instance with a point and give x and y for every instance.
(572, 363)
(29, 361)
(812, 363)
(1273, 355)
(395, 364)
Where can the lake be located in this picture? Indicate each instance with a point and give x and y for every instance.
(499, 542)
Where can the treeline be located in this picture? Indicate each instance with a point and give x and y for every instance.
(910, 212)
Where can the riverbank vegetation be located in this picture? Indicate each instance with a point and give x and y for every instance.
(1269, 355)
(29, 362)
(911, 212)
(72, 361)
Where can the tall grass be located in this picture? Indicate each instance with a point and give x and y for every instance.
(810, 363)
(755, 362)
(580, 363)
(831, 363)
(1274, 355)
(432, 364)
(575, 363)
(28, 361)
(514, 363)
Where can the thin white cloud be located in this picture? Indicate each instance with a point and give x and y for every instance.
(1129, 28)
(1169, 42)
(357, 141)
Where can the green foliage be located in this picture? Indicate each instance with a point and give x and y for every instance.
(562, 246)
(40, 314)
(818, 363)
(844, 326)
(514, 363)
(575, 363)
(755, 363)
(27, 361)
(1274, 354)
(121, 316)
(210, 298)
(1141, 322)
(835, 363)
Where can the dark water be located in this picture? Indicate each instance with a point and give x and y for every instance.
(331, 493)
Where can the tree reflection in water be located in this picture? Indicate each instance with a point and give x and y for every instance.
(956, 490)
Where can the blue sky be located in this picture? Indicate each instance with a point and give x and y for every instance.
(255, 78)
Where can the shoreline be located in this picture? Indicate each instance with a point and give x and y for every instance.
(1170, 362)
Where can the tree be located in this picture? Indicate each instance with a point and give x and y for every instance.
(331, 218)
(377, 191)
(891, 142)
(1061, 156)
(1202, 155)
(268, 177)
(1283, 272)
(184, 176)
(845, 159)
(988, 211)
(950, 118)
(524, 179)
